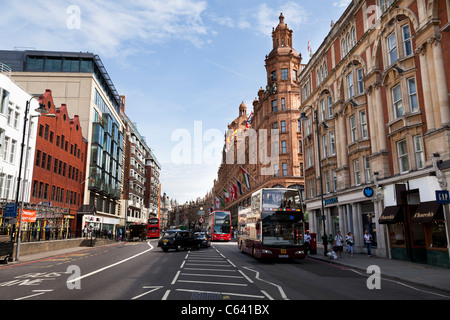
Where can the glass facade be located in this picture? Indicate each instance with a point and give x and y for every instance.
(106, 152)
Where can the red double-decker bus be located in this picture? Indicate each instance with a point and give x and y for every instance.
(219, 226)
(153, 228)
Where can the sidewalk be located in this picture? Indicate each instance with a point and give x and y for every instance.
(423, 274)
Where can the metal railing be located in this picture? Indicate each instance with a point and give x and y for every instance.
(5, 69)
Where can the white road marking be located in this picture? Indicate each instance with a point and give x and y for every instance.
(112, 265)
(283, 295)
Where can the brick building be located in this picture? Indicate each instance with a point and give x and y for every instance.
(58, 170)
(272, 155)
(379, 84)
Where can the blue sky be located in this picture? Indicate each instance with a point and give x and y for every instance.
(182, 64)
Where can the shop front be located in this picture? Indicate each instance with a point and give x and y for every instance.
(416, 230)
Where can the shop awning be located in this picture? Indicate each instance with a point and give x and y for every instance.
(390, 215)
(87, 209)
(426, 212)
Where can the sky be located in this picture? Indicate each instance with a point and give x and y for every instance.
(184, 66)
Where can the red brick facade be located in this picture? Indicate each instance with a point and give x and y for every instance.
(59, 163)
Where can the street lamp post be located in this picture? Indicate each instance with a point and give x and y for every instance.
(316, 123)
(42, 111)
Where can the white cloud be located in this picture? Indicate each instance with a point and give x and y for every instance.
(108, 28)
(342, 4)
(265, 17)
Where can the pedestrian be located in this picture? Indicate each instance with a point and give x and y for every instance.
(350, 243)
(368, 242)
(325, 244)
(307, 242)
(85, 231)
(338, 244)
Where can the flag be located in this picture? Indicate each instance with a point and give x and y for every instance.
(217, 204)
(239, 186)
(233, 195)
(234, 191)
(227, 196)
(309, 47)
(91, 179)
(222, 203)
(249, 119)
(246, 179)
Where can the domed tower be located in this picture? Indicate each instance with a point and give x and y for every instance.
(278, 105)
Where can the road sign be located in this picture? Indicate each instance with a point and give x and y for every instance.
(201, 220)
(201, 213)
(11, 210)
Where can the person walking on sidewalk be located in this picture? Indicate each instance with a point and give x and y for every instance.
(307, 242)
(350, 242)
(338, 244)
(368, 242)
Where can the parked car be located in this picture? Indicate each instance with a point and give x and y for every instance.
(204, 239)
(178, 240)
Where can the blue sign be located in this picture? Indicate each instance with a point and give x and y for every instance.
(368, 192)
(11, 210)
(442, 196)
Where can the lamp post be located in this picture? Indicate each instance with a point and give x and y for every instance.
(316, 123)
(42, 111)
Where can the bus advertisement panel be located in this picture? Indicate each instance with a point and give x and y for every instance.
(153, 228)
(219, 225)
(273, 226)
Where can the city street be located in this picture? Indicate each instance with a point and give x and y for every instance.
(142, 271)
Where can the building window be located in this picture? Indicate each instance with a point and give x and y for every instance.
(283, 126)
(412, 95)
(403, 160)
(322, 109)
(4, 100)
(276, 170)
(294, 75)
(284, 74)
(334, 177)
(367, 169)
(327, 182)
(418, 149)
(350, 85)
(392, 48)
(283, 104)
(283, 147)
(407, 40)
(356, 172)
(285, 169)
(359, 74)
(363, 119)
(353, 128)
(309, 157)
(300, 146)
(12, 154)
(332, 144)
(330, 107)
(274, 75)
(311, 187)
(274, 106)
(397, 101)
(325, 146)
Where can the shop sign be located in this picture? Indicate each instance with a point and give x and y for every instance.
(442, 196)
(368, 192)
(330, 201)
(29, 215)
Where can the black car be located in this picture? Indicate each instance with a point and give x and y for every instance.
(178, 240)
(204, 239)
